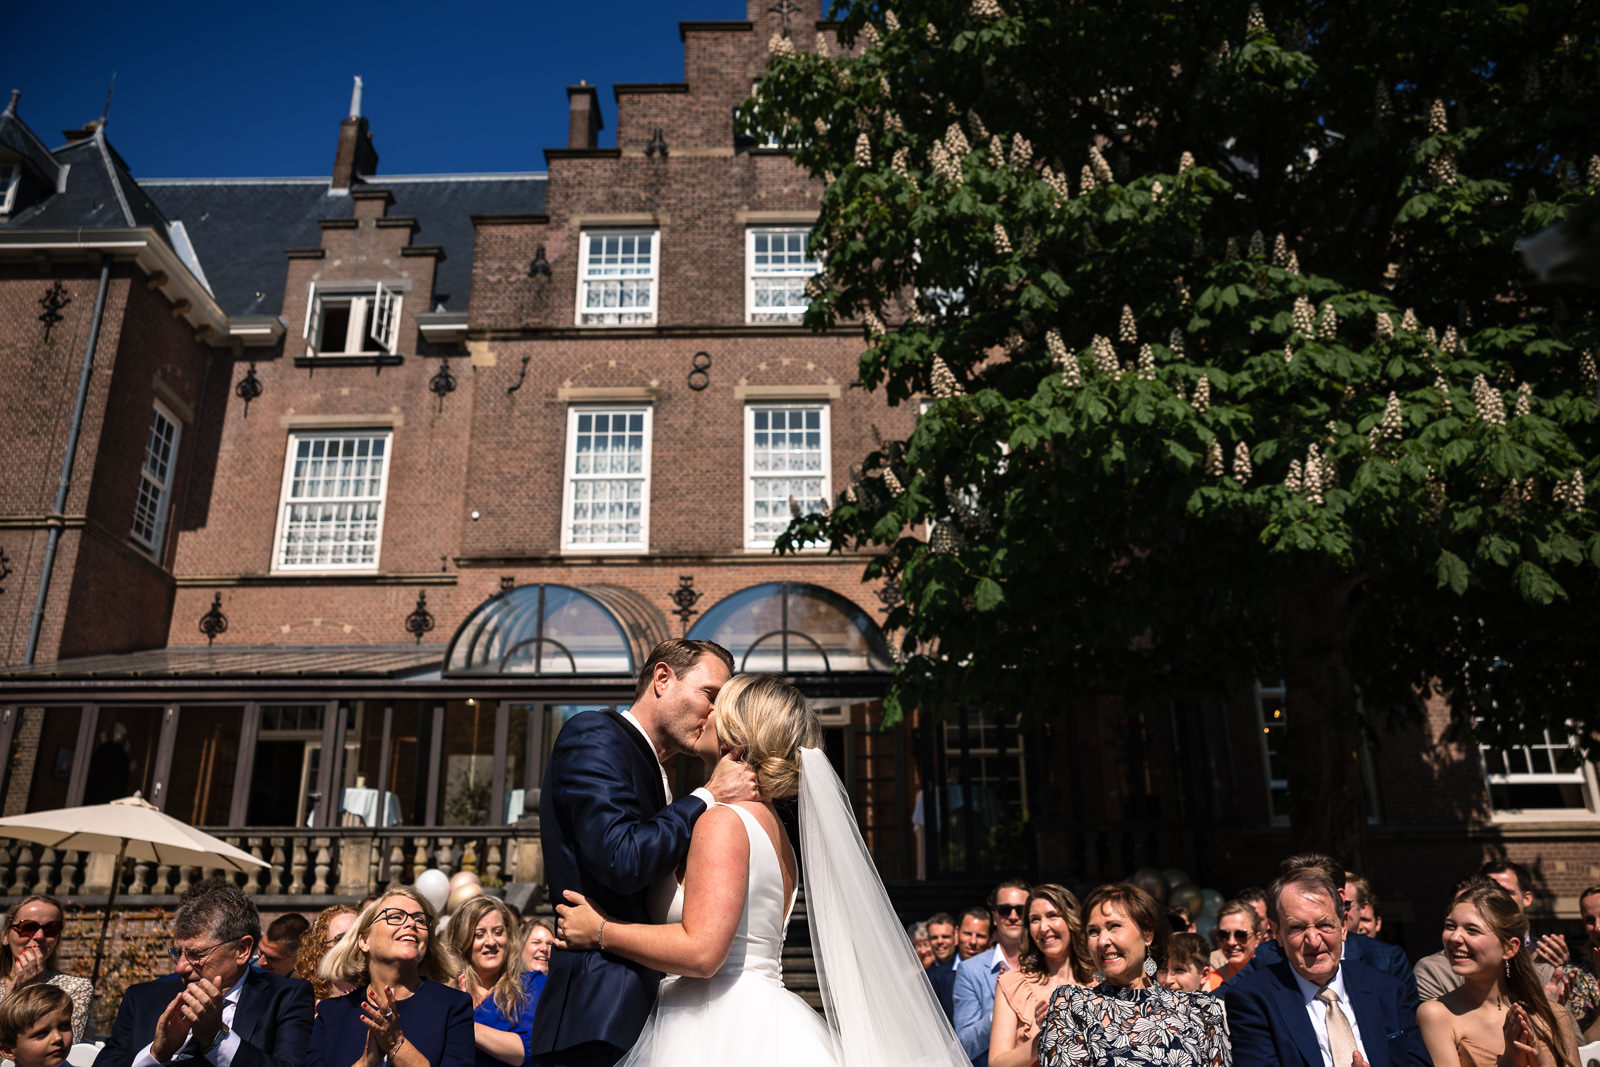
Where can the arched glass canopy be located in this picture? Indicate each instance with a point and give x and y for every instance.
(545, 629)
(794, 628)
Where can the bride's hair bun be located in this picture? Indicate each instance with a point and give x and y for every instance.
(769, 719)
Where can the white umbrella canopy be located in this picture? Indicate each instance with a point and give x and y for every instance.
(130, 827)
(133, 827)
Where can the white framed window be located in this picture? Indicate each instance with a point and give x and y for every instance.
(10, 178)
(778, 262)
(617, 275)
(153, 504)
(352, 320)
(786, 457)
(606, 502)
(330, 512)
(1544, 774)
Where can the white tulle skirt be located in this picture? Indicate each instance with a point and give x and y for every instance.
(732, 1021)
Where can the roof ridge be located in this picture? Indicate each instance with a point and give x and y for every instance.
(111, 172)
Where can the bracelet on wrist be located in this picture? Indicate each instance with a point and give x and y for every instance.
(600, 935)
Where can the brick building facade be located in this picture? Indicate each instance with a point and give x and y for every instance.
(446, 453)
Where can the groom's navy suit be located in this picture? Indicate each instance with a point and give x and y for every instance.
(608, 833)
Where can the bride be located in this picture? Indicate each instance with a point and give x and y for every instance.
(722, 941)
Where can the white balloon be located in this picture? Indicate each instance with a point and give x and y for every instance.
(434, 885)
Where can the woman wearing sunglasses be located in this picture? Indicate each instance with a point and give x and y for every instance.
(28, 955)
(1237, 934)
(405, 1009)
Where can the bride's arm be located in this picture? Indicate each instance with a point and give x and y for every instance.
(713, 899)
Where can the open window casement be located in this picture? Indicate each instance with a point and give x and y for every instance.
(313, 321)
(385, 319)
(362, 320)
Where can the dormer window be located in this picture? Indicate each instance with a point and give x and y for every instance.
(10, 178)
(359, 320)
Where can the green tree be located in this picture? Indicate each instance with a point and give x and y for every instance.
(1234, 368)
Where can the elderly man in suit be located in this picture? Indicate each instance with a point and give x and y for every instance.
(612, 831)
(1313, 1008)
(214, 1007)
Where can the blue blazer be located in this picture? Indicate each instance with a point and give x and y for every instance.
(273, 1021)
(1379, 955)
(608, 833)
(436, 1019)
(1268, 1023)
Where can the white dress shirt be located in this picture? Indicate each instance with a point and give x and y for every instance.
(662, 894)
(703, 793)
(1318, 1012)
(223, 1054)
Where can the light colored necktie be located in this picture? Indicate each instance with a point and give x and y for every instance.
(1341, 1039)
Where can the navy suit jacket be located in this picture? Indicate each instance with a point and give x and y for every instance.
(436, 1019)
(609, 834)
(1269, 1027)
(1379, 955)
(943, 978)
(273, 1021)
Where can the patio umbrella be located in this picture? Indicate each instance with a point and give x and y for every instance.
(132, 828)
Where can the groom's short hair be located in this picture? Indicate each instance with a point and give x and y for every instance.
(681, 654)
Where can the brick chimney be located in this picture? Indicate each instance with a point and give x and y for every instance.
(583, 121)
(355, 157)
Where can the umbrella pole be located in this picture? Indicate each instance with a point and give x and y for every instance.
(105, 923)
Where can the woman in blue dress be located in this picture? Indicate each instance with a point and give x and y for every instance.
(483, 935)
(405, 1009)
(1126, 1019)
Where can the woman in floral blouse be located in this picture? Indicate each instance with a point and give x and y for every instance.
(1126, 1019)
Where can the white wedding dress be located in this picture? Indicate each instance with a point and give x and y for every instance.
(742, 1014)
(881, 1010)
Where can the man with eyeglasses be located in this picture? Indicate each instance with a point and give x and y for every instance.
(214, 1007)
(976, 978)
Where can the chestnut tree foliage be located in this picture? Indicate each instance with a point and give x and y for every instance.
(1231, 367)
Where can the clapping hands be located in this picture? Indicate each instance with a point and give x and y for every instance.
(1523, 1042)
(384, 1036)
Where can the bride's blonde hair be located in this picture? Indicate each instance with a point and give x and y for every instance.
(770, 720)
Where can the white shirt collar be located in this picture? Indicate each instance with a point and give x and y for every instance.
(997, 956)
(1309, 991)
(628, 717)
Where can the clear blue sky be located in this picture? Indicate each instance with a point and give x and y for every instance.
(257, 90)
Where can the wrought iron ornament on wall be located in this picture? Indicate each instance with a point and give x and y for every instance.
(685, 596)
(700, 376)
(249, 388)
(420, 621)
(214, 622)
(54, 299)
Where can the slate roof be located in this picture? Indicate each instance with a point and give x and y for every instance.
(100, 193)
(240, 227)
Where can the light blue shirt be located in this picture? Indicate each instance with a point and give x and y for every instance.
(974, 1001)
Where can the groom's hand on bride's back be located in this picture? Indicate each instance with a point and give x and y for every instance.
(732, 780)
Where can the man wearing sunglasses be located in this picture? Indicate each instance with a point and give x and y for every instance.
(976, 978)
(214, 1007)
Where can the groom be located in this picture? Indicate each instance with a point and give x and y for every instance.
(612, 831)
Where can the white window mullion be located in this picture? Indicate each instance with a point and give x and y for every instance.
(313, 320)
(778, 263)
(787, 456)
(606, 487)
(618, 278)
(153, 502)
(330, 515)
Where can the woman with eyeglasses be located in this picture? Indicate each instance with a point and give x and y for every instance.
(1237, 934)
(330, 926)
(28, 955)
(1127, 1018)
(405, 1009)
(504, 995)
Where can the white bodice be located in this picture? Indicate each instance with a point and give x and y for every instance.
(758, 942)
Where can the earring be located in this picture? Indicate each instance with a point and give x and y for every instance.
(1508, 968)
(1149, 967)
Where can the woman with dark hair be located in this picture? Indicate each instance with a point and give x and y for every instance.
(1053, 953)
(329, 927)
(1499, 1015)
(503, 993)
(1127, 1018)
(28, 954)
(405, 1009)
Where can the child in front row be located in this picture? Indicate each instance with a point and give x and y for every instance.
(1188, 965)
(36, 1026)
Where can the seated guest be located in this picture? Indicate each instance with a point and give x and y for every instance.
(1313, 1006)
(504, 994)
(942, 971)
(214, 1006)
(1188, 968)
(282, 944)
(1053, 954)
(405, 1009)
(537, 940)
(1237, 934)
(976, 978)
(331, 924)
(36, 1026)
(1256, 897)
(1368, 921)
(1499, 1012)
(974, 934)
(33, 928)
